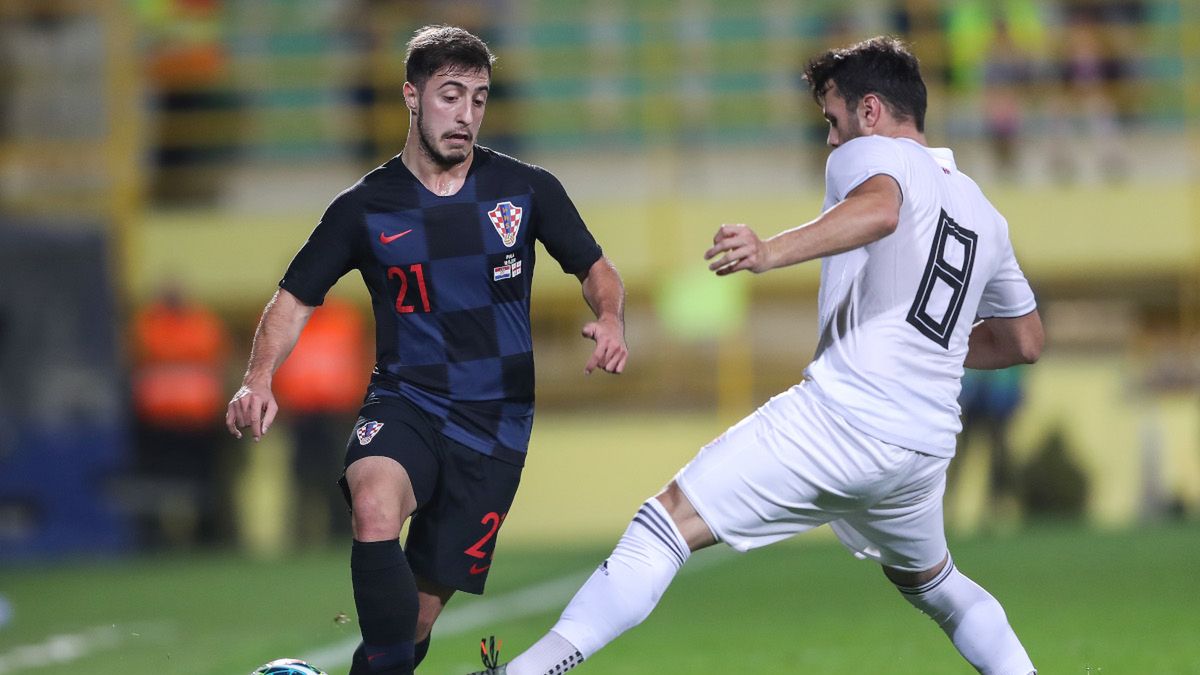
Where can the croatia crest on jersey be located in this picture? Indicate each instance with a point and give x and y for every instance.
(506, 218)
(366, 430)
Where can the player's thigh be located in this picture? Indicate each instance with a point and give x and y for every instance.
(905, 529)
(391, 465)
(452, 538)
(781, 471)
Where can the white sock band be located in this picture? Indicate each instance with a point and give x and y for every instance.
(623, 591)
(974, 621)
(551, 655)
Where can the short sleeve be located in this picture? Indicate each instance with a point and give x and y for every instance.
(852, 163)
(1007, 294)
(560, 227)
(329, 253)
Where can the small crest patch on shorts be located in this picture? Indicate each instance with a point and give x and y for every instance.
(366, 430)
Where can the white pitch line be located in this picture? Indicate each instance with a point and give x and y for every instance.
(68, 647)
(518, 604)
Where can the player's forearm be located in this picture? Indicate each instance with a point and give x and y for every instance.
(278, 331)
(860, 219)
(1002, 342)
(603, 291)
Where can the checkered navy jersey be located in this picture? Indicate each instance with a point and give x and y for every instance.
(449, 279)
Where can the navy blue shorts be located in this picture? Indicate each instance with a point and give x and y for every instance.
(462, 496)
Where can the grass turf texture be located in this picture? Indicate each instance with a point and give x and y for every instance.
(1111, 602)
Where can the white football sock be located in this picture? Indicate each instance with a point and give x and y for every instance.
(973, 619)
(626, 587)
(549, 656)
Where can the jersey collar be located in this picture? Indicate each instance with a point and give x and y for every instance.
(944, 157)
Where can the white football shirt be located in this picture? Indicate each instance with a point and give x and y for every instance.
(895, 315)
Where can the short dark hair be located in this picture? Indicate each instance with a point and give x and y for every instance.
(883, 66)
(432, 48)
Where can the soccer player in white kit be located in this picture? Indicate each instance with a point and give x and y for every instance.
(918, 278)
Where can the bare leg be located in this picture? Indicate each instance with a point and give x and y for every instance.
(385, 591)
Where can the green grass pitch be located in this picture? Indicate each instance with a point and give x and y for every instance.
(1083, 601)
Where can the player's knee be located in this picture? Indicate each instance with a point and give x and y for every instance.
(424, 625)
(691, 526)
(909, 579)
(375, 517)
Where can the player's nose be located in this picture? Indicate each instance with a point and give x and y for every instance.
(466, 114)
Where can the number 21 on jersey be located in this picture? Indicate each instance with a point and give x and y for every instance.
(404, 305)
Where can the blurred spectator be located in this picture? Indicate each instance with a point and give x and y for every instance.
(320, 387)
(1007, 72)
(379, 27)
(1052, 484)
(187, 71)
(52, 74)
(989, 399)
(180, 354)
(375, 90)
(1088, 122)
(973, 32)
(993, 50)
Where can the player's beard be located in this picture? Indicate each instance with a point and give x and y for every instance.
(853, 128)
(429, 146)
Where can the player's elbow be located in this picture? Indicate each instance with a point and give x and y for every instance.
(1030, 353)
(888, 224)
(1021, 339)
(1029, 347)
(882, 222)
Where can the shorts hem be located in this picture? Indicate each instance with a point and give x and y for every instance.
(457, 585)
(700, 509)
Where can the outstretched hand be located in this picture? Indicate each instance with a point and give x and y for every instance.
(742, 250)
(610, 352)
(251, 406)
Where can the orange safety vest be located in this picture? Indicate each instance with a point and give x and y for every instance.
(179, 355)
(329, 369)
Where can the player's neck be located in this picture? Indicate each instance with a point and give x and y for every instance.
(894, 129)
(913, 135)
(440, 179)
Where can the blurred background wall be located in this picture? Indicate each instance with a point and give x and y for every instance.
(162, 160)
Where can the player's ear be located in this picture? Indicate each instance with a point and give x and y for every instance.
(871, 109)
(410, 96)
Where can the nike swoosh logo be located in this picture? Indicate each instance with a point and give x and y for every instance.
(475, 569)
(389, 238)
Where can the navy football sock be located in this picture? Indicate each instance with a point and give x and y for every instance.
(421, 650)
(385, 593)
(358, 662)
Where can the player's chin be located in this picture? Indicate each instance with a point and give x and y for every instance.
(456, 150)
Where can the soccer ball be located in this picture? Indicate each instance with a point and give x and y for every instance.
(287, 667)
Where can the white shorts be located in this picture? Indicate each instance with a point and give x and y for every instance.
(794, 465)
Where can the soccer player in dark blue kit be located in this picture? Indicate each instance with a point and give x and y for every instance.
(443, 235)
